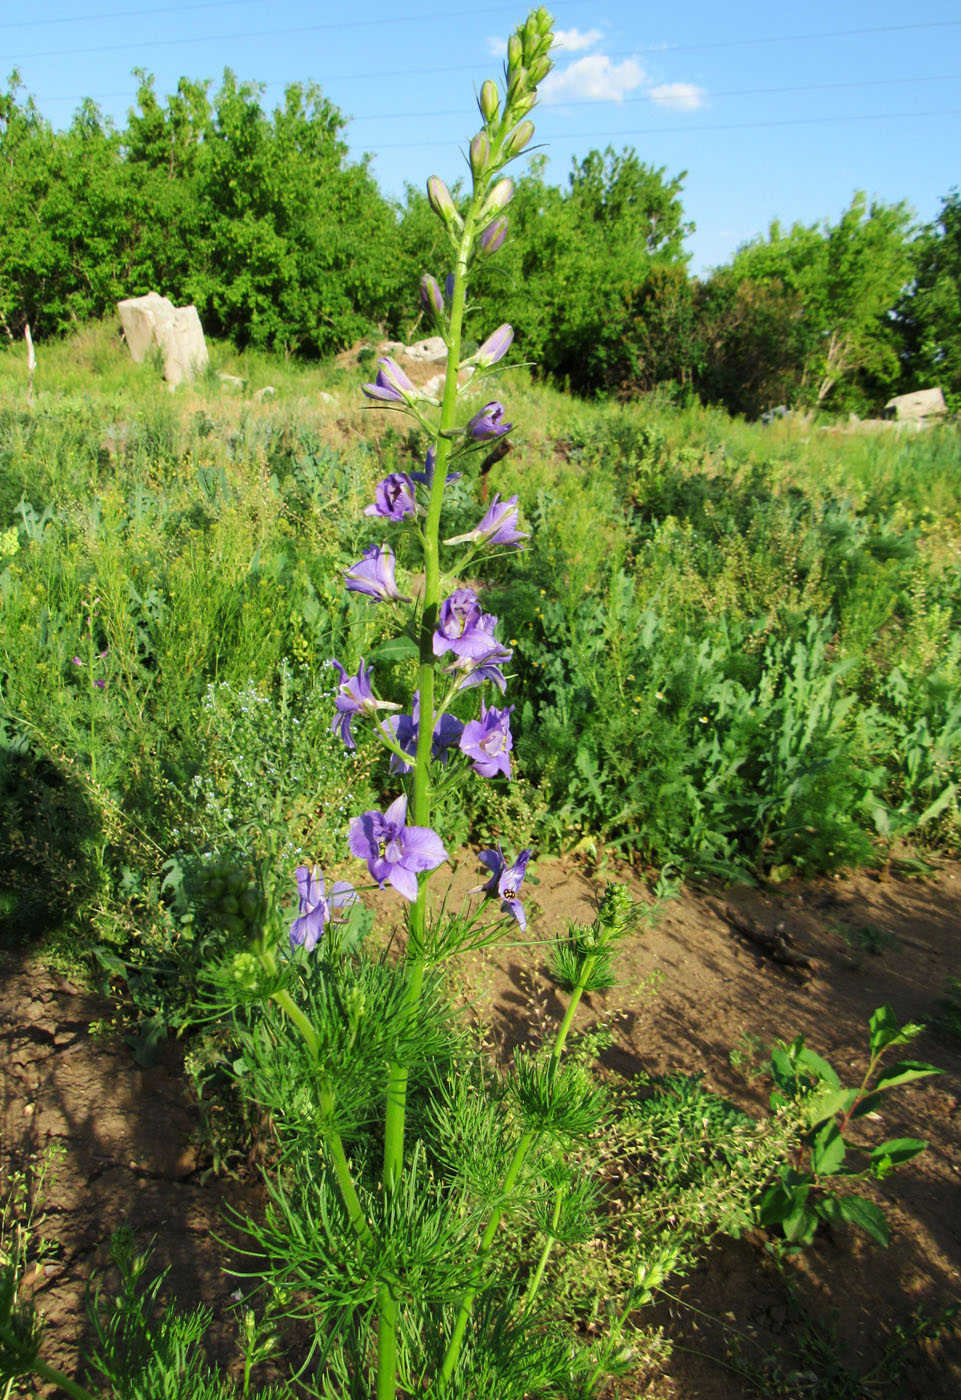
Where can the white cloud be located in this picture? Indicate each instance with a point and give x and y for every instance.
(682, 97)
(594, 78)
(497, 48)
(572, 40)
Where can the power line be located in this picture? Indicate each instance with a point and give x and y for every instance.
(697, 130)
(273, 34)
(461, 14)
(123, 14)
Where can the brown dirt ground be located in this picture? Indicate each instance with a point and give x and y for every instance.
(131, 1140)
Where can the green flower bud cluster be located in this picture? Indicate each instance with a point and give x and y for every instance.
(231, 899)
(505, 134)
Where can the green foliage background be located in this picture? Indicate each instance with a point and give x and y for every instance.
(259, 219)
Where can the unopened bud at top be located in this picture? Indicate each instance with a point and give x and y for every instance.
(515, 52)
(489, 101)
(518, 139)
(442, 204)
(480, 154)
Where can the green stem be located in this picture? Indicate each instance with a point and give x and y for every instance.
(538, 1275)
(332, 1138)
(396, 1108)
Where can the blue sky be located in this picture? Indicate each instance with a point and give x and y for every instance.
(772, 112)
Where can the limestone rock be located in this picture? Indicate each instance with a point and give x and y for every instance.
(433, 348)
(924, 403)
(153, 320)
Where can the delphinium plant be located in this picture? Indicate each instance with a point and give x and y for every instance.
(420, 1204)
(401, 1160)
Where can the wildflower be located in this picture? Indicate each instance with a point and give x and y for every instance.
(426, 477)
(447, 732)
(392, 384)
(505, 881)
(499, 526)
(374, 575)
(461, 626)
(316, 910)
(488, 423)
(487, 665)
(393, 497)
(440, 200)
(487, 742)
(354, 697)
(395, 852)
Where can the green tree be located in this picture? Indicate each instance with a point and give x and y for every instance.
(847, 278)
(931, 311)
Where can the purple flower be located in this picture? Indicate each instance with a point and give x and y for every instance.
(354, 697)
(488, 423)
(391, 385)
(316, 911)
(374, 575)
(486, 666)
(499, 526)
(459, 626)
(496, 346)
(395, 853)
(394, 497)
(447, 732)
(426, 477)
(487, 742)
(100, 684)
(77, 661)
(505, 881)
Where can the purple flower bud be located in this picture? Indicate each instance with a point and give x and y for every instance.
(493, 236)
(489, 101)
(374, 575)
(518, 139)
(392, 384)
(488, 423)
(496, 346)
(442, 203)
(393, 497)
(449, 286)
(431, 296)
(480, 154)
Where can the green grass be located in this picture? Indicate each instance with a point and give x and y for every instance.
(732, 644)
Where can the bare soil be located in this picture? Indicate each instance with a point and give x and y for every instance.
(132, 1145)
